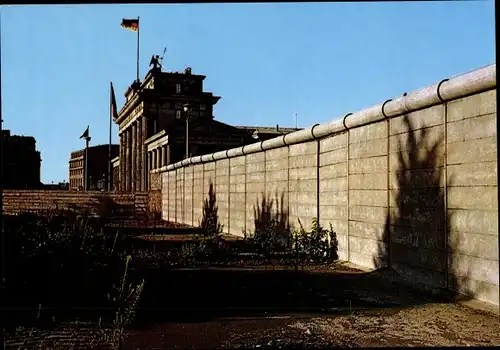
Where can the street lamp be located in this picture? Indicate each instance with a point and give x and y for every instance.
(187, 108)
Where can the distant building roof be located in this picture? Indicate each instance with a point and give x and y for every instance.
(277, 129)
(266, 132)
(113, 146)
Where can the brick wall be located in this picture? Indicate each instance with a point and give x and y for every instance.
(410, 184)
(38, 201)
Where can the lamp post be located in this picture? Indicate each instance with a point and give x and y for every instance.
(187, 108)
(87, 141)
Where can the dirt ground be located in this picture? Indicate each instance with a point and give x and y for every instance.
(428, 325)
(374, 312)
(252, 308)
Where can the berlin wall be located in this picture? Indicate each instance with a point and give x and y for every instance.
(410, 183)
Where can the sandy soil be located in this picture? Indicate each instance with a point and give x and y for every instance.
(429, 325)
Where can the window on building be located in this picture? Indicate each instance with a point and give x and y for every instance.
(177, 88)
(203, 106)
(178, 114)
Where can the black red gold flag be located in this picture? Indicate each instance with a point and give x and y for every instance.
(132, 24)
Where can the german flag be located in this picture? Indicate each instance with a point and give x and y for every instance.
(132, 24)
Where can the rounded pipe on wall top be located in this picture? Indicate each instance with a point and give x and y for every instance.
(196, 160)
(219, 155)
(411, 102)
(344, 120)
(235, 152)
(206, 158)
(363, 117)
(312, 131)
(326, 129)
(283, 140)
(253, 148)
(438, 92)
(383, 105)
(243, 149)
(303, 135)
(474, 82)
(275, 142)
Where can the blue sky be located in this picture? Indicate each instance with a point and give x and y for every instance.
(267, 61)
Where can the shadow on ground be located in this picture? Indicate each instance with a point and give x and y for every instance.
(204, 294)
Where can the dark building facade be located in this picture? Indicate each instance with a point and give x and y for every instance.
(21, 162)
(97, 167)
(153, 123)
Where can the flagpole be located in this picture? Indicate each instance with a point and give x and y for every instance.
(1, 157)
(110, 125)
(138, 29)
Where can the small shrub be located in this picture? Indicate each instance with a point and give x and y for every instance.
(127, 297)
(272, 231)
(318, 244)
(189, 253)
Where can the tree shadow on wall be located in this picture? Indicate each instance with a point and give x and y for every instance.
(210, 222)
(416, 227)
(271, 220)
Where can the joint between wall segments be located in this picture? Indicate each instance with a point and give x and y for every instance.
(245, 200)
(229, 196)
(388, 183)
(192, 196)
(168, 194)
(265, 172)
(215, 181)
(317, 179)
(202, 188)
(288, 183)
(175, 192)
(348, 192)
(445, 192)
(184, 219)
